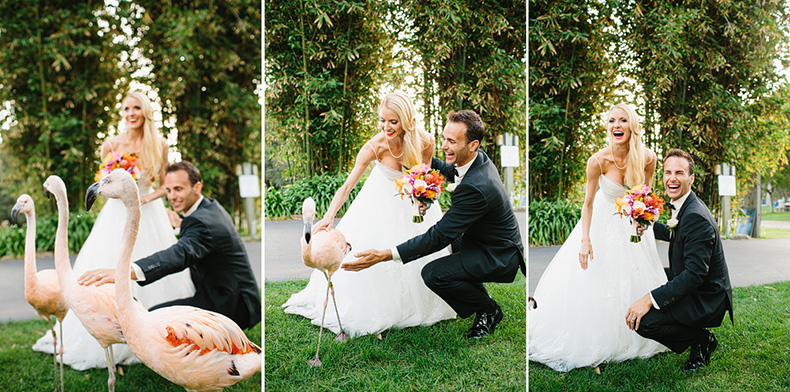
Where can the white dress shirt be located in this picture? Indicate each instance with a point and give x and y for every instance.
(138, 272)
(678, 204)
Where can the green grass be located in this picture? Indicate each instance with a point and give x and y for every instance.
(26, 370)
(772, 233)
(776, 216)
(751, 356)
(429, 358)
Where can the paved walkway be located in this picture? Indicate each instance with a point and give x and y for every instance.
(283, 261)
(752, 261)
(12, 289)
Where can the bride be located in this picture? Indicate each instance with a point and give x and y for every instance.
(388, 295)
(101, 249)
(583, 295)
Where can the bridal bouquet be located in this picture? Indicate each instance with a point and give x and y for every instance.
(116, 160)
(640, 205)
(420, 183)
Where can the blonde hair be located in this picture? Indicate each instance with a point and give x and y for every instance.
(401, 104)
(637, 156)
(150, 151)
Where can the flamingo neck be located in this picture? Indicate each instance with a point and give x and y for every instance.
(123, 280)
(62, 263)
(30, 251)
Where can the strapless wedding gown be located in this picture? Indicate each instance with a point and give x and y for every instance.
(389, 294)
(580, 319)
(101, 250)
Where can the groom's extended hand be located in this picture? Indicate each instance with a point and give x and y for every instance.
(636, 311)
(367, 259)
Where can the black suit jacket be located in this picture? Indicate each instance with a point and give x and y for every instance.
(482, 217)
(701, 282)
(215, 255)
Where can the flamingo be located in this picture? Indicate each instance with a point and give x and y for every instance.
(197, 349)
(42, 289)
(323, 250)
(94, 306)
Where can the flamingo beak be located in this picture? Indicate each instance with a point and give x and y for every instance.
(15, 211)
(93, 192)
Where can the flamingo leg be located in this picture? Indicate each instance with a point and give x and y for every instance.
(62, 387)
(315, 361)
(342, 336)
(110, 368)
(54, 349)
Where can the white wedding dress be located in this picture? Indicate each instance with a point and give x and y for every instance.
(389, 294)
(580, 318)
(101, 250)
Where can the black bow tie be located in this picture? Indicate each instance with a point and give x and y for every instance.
(455, 170)
(672, 206)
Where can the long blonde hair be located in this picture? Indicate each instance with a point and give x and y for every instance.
(150, 151)
(636, 157)
(401, 104)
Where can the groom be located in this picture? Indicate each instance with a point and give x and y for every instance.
(481, 222)
(208, 245)
(698, 292)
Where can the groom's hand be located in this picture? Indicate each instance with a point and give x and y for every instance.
(636, 311)
(367, 259)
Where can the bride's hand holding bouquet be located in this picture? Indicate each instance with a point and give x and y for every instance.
(641, 206)
(421, 184)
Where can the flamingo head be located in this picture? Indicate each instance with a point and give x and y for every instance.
(24, 204)
(119, 184)
(54, 185)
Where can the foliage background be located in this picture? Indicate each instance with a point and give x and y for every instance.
(329, 63)
(707, 77)
(66, 65)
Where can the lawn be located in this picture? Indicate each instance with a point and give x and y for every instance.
(773, 233)
(751, 356)
(776, 216)
(426, 358)
(22, 369)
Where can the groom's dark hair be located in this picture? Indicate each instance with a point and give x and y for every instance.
(192, 171)
(475, 130)
(676, 152)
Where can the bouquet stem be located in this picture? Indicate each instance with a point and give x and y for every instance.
(417, 218)
(635, 238)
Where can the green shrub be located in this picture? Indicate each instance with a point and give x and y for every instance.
(12, 239)
(286, 201)
(551, 221)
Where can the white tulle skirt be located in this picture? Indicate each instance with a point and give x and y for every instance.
(101, 250)
(389, 294)
(580, 319)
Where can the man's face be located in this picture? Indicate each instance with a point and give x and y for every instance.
(456, 150)
(181, 193)
(677, 180)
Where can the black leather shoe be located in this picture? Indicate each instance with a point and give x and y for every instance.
(485, 323)
(701, 352)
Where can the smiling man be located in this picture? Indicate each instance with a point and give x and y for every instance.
(208, 245)
(698, 293)
(480, 225)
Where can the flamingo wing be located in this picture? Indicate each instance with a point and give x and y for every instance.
(203, 331)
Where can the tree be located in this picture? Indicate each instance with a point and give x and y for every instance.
(205, 62)
(62, 74)
(705, 69)
(326, 62)
(472, 57)
(572, 80)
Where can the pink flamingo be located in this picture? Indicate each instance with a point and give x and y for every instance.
(95, 307)
(42, 289)
(323, 250)
(194, 348)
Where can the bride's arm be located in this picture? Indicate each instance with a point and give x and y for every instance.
(594, 171)
(161, 191)
(364, 157)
